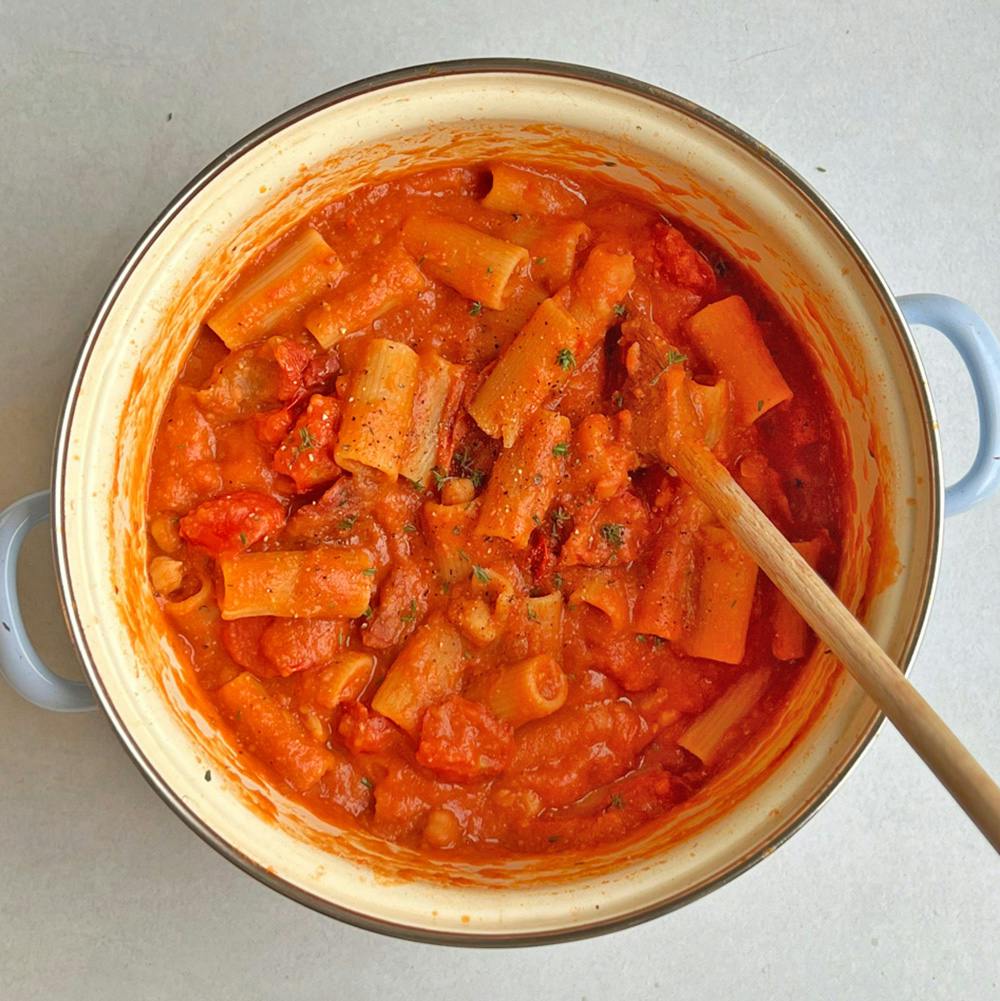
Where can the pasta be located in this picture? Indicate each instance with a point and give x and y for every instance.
(305, 269)
(524, 481)
(726, 588)
(560, 336)
(375, 428)
(386, 279)
(522, 692)
(415, 520)
(704, 737)
(727, 334)
(273, 732)
(473, 263)
(429, 667)
(435, 401)
(304, 583)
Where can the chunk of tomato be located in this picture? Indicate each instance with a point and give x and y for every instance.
(229, 524)
(463, 741)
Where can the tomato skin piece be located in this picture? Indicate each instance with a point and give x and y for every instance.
(678, 263)
(232, 523)
(463, 741)
(365, 731)
(306, 454)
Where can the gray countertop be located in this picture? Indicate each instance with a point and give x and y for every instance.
(107, 108)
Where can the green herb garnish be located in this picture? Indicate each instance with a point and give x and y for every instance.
(482, 575)
(565, 359)
(613, 533)
(476, 308)
(306, 440)
(560, 449)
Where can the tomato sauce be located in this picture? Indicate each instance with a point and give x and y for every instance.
(548, 685)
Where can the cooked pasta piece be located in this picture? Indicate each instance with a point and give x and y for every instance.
(482, 606)
(704, 737)
(524, 481)
(606, 592)
(382, 280)
(665, 603)
(726, 588)
(375, 426)
(711, 404)
(436, 399)
(300, 583)
(730, 339)
(543, 625)
(273, 732)
(429, 667)
(521, 692)
(561, 334)
(342, 680)
(554, 253)
(472, 262)
(790, 640)
(521, 190)
(450, 528)
(304, 270)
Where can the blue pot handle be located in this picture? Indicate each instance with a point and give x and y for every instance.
(978, 347)
(19, 662)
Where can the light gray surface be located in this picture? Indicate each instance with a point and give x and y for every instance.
(107, 108)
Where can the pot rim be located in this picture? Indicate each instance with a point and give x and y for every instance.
(461, 67)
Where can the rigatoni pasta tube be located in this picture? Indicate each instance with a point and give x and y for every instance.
(703, 738)
(725, 599)
(665, 603)
(342, 679)
(521, 190)
(521, 692)
(435, 401)
(561, 334)
(606, 592)
(472, 262)
(449, 528)
(327, 583)
(385, 279)
(429, 667)
(524, 480)
(273, 732)
(790, 639)
(543, 625)
(726, 333)
(304, 270)
(375, 426)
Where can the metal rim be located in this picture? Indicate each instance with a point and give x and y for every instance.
(379, 82)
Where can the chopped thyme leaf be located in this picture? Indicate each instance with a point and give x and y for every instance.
(616, 802)
(532, 614)
(409, 527)
(560, 449)
(369, 571)
(675, 357)
(476, 308)
(613, 534)
(367, 782)
(482, 575)
(440, 477)
(346, 524)
(411, 614)
(760, 406)
(620, 310)
(243, 539)
(540, 260)
(565, 359)
(618, 399)
(306, 440)
(367, 613)
(557, 581)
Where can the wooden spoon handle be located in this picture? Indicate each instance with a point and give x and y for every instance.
(925, 731)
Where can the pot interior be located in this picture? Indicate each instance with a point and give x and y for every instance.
(696, 169)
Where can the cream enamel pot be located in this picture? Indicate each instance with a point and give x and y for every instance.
(698, 167)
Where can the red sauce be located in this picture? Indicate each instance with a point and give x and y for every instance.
(252, 457)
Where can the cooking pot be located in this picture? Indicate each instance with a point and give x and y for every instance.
(696, 166)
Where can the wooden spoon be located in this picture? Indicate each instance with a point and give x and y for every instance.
(957, 770)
